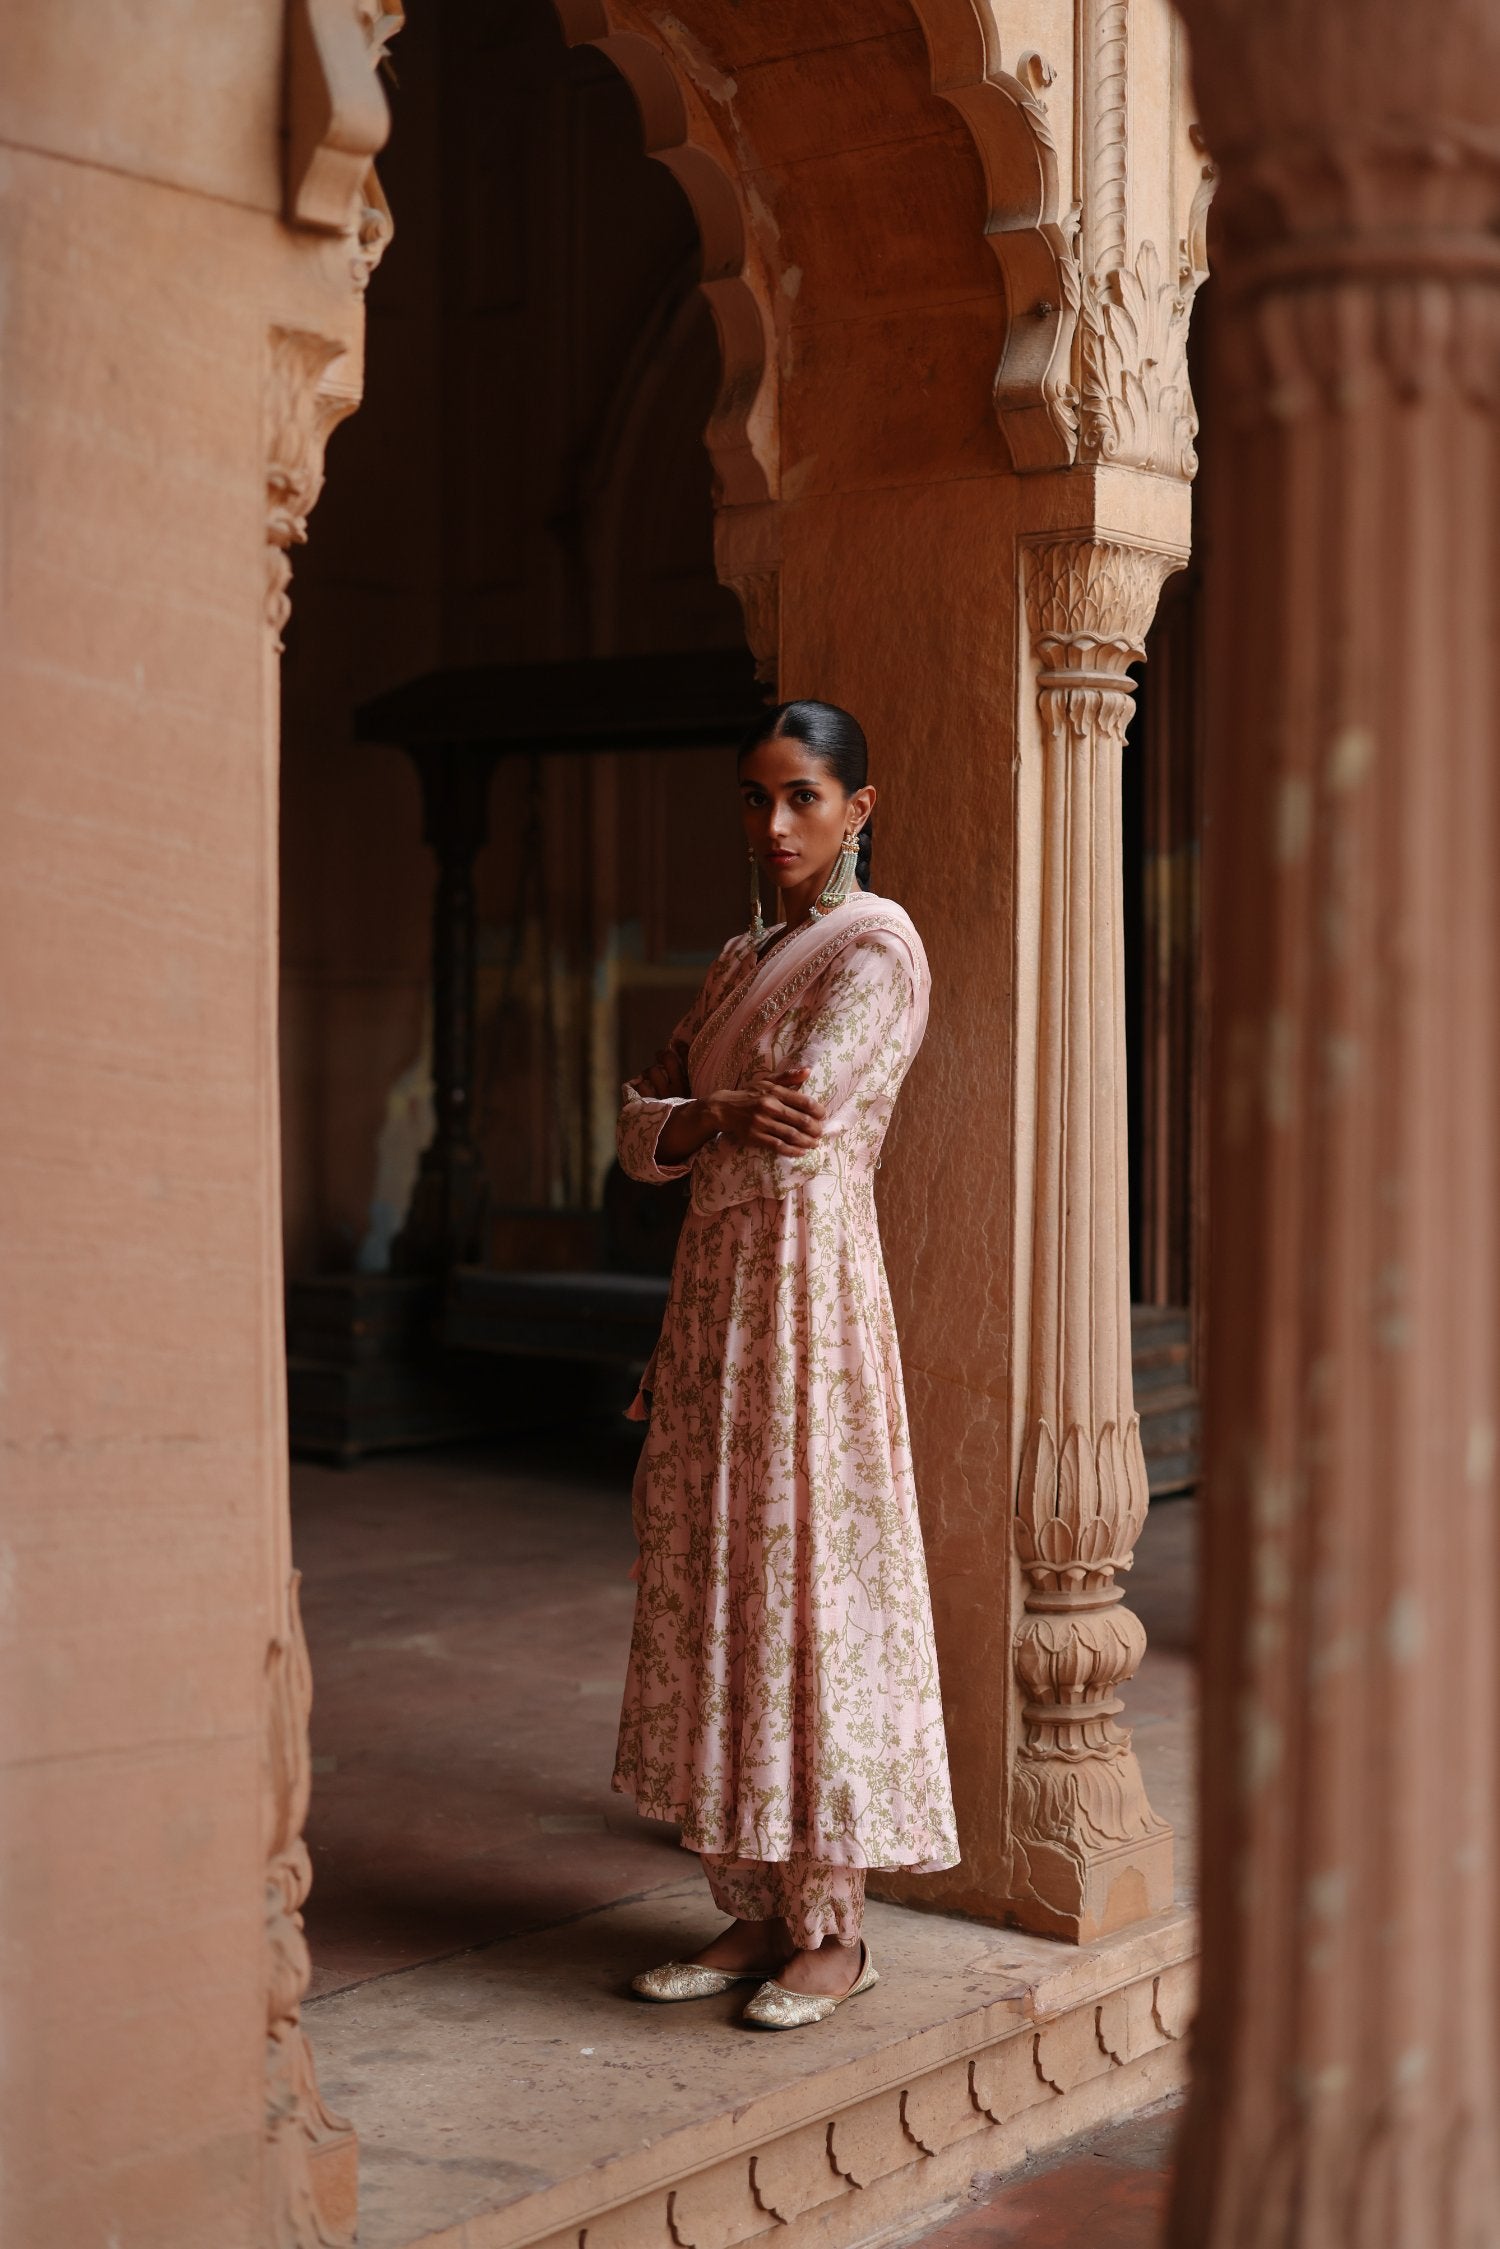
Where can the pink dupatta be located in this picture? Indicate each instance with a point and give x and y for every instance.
(718, 1055)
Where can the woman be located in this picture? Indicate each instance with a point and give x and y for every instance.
(782, 1698)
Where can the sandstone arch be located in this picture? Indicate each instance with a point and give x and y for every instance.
(741, 434)
(1025, 225)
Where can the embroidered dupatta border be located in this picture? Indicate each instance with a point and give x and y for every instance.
(888, 921)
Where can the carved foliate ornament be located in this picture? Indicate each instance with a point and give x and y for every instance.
(1093, 594)
(1080, 1510)
(306, 400)
(1135, 405)
(373, 230)
(1105, 350)
(1090, 603)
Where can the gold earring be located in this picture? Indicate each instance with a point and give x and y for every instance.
(841, 881)
(757, 918)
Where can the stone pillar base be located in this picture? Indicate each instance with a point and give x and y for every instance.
(1059, 1892)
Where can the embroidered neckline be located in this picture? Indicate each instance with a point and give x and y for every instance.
(736, 992)
(887, 919)
(776, 1002)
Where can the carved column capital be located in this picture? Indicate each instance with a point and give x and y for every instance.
(1090, 602)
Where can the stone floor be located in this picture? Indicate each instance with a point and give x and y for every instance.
(480, 1895)
(468, 1614)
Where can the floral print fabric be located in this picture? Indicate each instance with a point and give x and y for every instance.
(814, 1901)
(782, 1696)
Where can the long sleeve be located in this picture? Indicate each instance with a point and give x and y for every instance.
(855, 1034)
(642, 1117)
(637, 1130)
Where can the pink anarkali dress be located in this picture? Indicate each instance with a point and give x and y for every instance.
(782, 1698)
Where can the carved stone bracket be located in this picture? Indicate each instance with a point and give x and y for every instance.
(1135, 403)
(337, 122)
(305, 403)
(1026, 226)
(337, 115)
(1089, 1853)
(1135, 407)
(1093, 365)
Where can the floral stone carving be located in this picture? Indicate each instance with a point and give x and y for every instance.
(1089, 1854)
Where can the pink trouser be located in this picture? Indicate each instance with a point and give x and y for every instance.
(815, 1901)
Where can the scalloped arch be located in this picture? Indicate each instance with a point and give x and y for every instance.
(1033, 240)
(742, 430)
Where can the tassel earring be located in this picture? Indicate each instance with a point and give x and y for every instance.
(757, 918)
(840, 882)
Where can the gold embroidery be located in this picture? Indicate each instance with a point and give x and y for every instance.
(782, 1699)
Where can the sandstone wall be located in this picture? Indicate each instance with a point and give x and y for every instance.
(143, 268)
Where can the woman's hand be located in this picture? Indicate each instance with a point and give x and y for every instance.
(771, 1112)
(665, 1079)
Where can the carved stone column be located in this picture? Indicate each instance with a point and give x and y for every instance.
(1089, 1854)
(312, 2171)
(336, 120)
(311, 2178)
(1347, 2045)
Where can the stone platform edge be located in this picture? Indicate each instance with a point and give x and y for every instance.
(868, 2148)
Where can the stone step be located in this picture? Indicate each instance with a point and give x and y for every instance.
(517, 2096)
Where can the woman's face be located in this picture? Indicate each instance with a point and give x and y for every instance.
(796, 813)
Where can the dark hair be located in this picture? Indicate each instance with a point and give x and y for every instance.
(836, 738)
